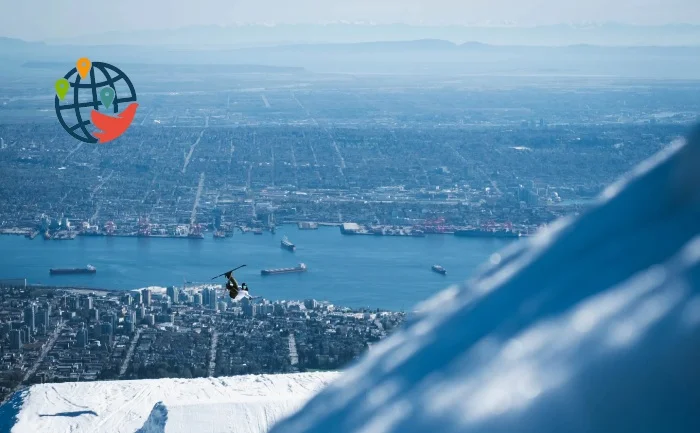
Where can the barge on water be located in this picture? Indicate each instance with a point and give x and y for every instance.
(300, 268)
(89, 269)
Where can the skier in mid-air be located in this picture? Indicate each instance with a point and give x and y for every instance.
(235, 291)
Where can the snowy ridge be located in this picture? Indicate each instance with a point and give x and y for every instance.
(239, 404)
(591, 326)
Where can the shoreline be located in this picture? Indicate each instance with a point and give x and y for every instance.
(387, 230)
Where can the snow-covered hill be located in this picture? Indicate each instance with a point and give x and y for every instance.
(592, 326)
(240, 404)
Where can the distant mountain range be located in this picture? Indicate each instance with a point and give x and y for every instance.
(257, 34)
(426, 56)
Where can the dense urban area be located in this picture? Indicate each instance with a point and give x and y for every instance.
(211, 154)
(401, 156)
(57, 335)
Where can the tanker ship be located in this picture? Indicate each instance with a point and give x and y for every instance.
(300, 268)
(65, 271)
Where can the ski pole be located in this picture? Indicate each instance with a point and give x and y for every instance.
(221, 275)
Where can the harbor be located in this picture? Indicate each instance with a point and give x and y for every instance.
(346, 270)
(145, 229)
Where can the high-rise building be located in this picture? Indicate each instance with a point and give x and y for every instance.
(197, 299)
(129, 327)
(173, 293)
(88, 303)
(212, 299)
(5, 329)
(30, 317)
(311, 304)
(132, 317)
(165, 318)
(15, 339)
(73, 303)
(42, 318)
(249, 310)
(111, 318)
(205, 296)
(106, 331)
(137, 297)
(82, 337)
(46, 306)
(140, 312)
(146, 295)
(127, 299)
(26, 335)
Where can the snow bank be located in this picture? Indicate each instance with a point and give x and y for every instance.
(591, 326)
(240, 404)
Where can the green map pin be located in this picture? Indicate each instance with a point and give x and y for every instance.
(62, 86)
(107, 96)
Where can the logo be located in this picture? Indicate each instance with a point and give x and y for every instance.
(95, 101)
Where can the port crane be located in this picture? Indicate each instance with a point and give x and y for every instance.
(144, 227)
(433, 225)
(110, 227)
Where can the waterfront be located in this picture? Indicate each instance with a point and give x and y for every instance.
(355, 271)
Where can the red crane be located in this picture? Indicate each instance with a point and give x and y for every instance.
(144, 227)
(434, 225)
(110, 227)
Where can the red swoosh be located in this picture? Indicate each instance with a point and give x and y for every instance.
(113, 126)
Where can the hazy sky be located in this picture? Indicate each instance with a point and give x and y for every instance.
(44, 19)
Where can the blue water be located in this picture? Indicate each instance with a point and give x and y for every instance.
(356, 271)
(9, 411)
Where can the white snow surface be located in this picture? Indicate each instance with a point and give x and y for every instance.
(591, 326)
(239, 404)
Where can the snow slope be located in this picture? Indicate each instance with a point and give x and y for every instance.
(240, 404)
(591, 326)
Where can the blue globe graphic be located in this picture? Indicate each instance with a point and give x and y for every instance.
(83, 97)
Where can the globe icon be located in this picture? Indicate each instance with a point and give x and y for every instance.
(74, 110)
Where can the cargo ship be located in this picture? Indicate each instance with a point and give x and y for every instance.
(66, 271)
(477, 233)
(300, 268)
(219, 234)
(287, 245)
(439, 269)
